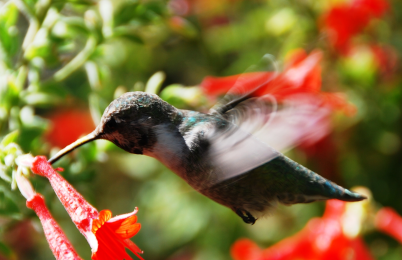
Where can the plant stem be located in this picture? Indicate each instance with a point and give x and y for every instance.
(77, 61)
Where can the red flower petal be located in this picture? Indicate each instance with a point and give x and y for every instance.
(321, 239)
(245, 249)
(373, 7)
(80, 211)
(302, 75)
(58, 242)
(107, 236)
(344, 21)
(113, 237)
(128, 228)
(126, 225)
(390, 222)
(386, 58)
(214, 86)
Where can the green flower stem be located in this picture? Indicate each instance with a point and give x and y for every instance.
(42, 9)
(31, 33)
(77, 61)
(35, 20)
(21, 77)
(24, 8)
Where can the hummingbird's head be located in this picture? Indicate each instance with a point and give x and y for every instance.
(128, 122)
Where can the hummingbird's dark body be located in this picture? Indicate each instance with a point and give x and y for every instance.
(212, 154)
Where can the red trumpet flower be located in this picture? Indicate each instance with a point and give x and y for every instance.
(107, 236)
(58, 242)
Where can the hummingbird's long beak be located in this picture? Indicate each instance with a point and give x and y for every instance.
(88, 138)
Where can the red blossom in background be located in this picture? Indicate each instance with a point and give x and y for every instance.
(375, 8)
(108, 237)
(214, 86)
(386, 59)
(345, 20)
(390, 222)
(302, 75)
(209, 12)
(321, 239)
(68, 126)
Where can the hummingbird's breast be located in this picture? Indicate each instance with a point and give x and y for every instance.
(196, 129)
(183, 147)
(169, 148)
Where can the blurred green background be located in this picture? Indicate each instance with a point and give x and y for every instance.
(63, 62)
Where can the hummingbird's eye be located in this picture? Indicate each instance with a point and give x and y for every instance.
(112, 124)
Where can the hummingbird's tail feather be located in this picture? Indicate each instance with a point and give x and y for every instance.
(335, 191)
(308, 186)
(321, 190)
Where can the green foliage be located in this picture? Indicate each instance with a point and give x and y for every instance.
(59, 55)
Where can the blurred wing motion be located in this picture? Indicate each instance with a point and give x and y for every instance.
(261, 129)
(235, 151)
(300, 119)
(258, 76)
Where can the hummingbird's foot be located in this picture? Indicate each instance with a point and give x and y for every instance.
(246, 216)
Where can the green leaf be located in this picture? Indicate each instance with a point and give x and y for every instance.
(83, 2)
(125, 13)
(133, 38)
(8, 206)
(3, 173)
(9, 138)
(52, 88)
(8, 31)
(47, 51)
(96, 113)
(129, 32)
(69, 27)
(132, 12)
(29, 137)
(155, 82)
(9, 95)
(41, 99)
(184, 97)
(9, 15)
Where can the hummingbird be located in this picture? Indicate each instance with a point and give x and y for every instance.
(225, 154)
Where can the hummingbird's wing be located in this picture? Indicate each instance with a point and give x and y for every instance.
(262, 126)
(261, 129)
(300, 119)
(234, 151)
